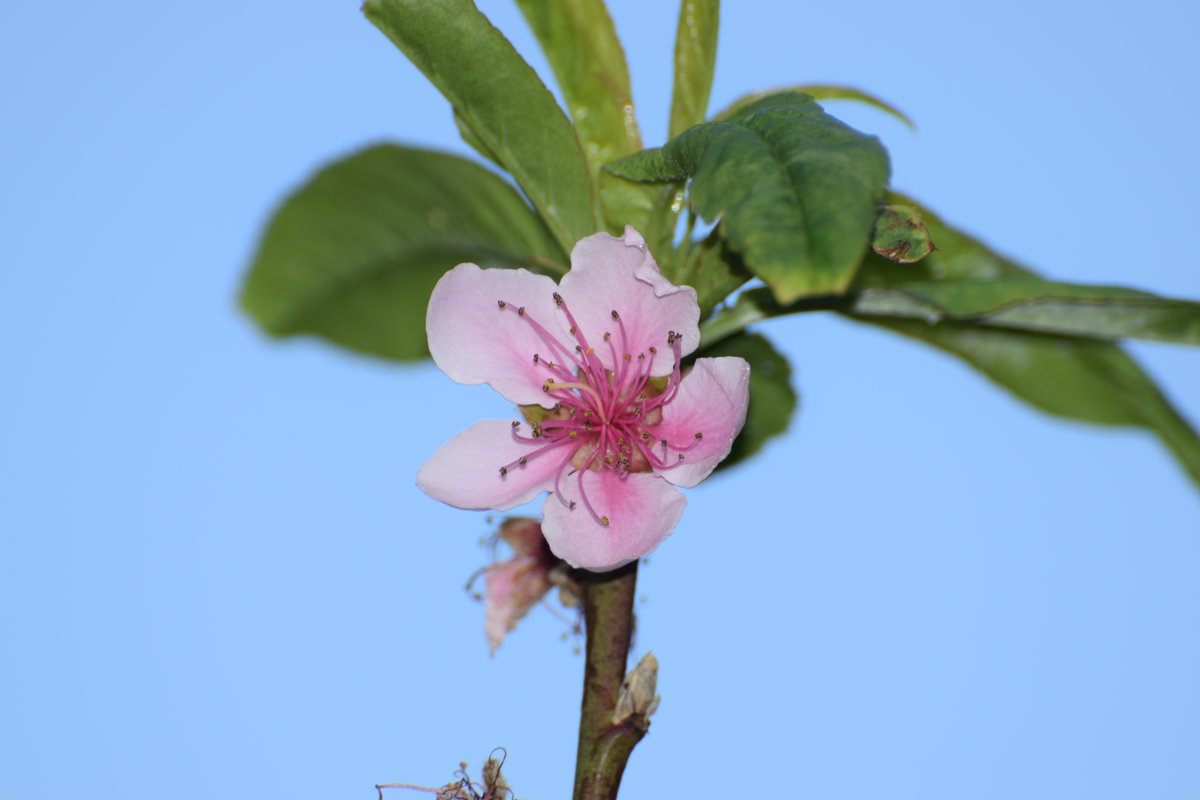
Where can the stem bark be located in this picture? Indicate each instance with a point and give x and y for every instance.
(604, 747)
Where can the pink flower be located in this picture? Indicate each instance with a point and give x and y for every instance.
(621, 426)
(511, 587)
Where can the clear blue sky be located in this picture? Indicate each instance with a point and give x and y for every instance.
(217, 579)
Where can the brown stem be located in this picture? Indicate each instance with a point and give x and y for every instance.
(604, 748)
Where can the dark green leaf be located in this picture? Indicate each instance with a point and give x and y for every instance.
(712, 269)
(900, 234)
(795, 190)
(820, 91)
(353, 255)
(1081, 379)
(695, 59)
(1027, 303)
(1075, 378)
(505, 104)
(469, 136)
(772, 398)
(957, 257)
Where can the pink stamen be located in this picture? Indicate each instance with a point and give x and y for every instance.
(601, 409)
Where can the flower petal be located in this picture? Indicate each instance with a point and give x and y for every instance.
(642, 510)
(610, 274)
(712, 401)
(465, 471)
(510, 589)
(473, 340)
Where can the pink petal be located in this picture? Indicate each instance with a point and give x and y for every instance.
(712, 400)
(510, 589)
(465, 471)
(473, 340)
(609, 274)
(642, 510)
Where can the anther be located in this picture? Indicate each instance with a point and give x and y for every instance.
(628, 357)
(681, 456)
(571, 504)
(515, 424)
(615, 315)
(572, 330)
(546, 386)
(641, 356)
(535, 358)
(573, 434)
(522, 460)
(521, 311)
(607, 336)
(700, 435)
(604, 520)
(557, 299)
(537, 430)
(653, 351)
(501, 303)
(503, 471)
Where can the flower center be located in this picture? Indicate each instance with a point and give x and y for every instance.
(602, 418)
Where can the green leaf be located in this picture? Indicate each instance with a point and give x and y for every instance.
(819, 91)
(354, 254)
(581, 45)
(1028, 303)
(795, 190)
(957, 256)
(900, 235)
(1082, 379)
(468, 135)
(695, 60)
(751, 306)
(503, 101)
(772, 398)
(712, 269)
(1076, 378)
